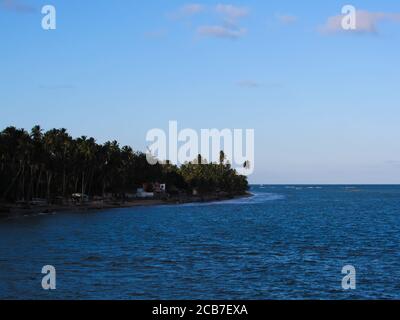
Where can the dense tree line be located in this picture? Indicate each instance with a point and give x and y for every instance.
(52, 165)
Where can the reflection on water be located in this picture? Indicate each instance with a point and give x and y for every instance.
(286, 242)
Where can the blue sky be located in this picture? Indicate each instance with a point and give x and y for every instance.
(324, 104)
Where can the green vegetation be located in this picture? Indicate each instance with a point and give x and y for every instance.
(52, 165)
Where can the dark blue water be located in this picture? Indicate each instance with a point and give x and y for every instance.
(284, 243)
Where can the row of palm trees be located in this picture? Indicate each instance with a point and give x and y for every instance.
(52, 165)
(213, 177)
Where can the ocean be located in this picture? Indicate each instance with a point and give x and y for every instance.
(285, 242)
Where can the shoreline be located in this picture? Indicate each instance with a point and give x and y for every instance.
(13, 210)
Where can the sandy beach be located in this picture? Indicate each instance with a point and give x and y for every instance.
(14, 210)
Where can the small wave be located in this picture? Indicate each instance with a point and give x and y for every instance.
(303, 187)
(256, 198)
(31, 215)
(93, 258)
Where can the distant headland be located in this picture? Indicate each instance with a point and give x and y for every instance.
(51, 171)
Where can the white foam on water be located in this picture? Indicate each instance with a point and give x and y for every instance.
(256, 198)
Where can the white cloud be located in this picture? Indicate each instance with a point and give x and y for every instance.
(189, 10)
(366, 22)
(229, 15)
(17, 6)
(229, 27)
(160, 33)
(286, 18)
(231, 12)
(221, 32)
(248, 84)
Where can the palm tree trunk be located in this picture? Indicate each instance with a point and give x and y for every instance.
(11, 185)
(83, 186)
(38, 183)
(49, 177)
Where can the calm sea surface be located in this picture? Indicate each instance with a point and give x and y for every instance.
(287, 242)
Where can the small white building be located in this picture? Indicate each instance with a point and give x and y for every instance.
(142, 194)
